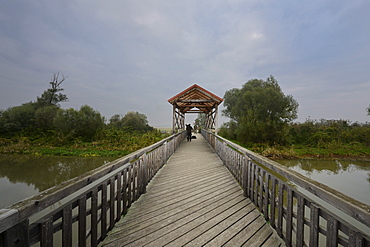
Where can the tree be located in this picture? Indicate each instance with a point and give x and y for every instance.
(17, 118)
(83, 124)
(53, 95)
(261, 111)
(136, 121)
(44, 118)
(201, 120)
(368, 110)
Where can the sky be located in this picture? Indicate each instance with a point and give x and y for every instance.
(129, 55)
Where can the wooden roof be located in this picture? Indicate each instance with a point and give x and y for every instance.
(195, 99)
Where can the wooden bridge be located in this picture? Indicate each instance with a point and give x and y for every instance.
(191, 201)
(208, 192)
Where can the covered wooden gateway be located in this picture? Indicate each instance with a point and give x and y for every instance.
(195, 99)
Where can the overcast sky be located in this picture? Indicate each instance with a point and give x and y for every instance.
(122, 55)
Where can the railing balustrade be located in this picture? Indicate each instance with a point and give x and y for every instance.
(81, 211)
(282, 196)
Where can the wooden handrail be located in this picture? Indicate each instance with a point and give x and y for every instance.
(110, 188)
(273, 189)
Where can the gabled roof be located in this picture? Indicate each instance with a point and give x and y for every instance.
(195, 99)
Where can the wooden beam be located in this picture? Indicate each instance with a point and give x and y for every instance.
(195, 100)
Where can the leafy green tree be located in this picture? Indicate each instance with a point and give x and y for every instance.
(44, 118)
(136, 121)
(53, 95)
(18, 118)
(261, 111)
(132, 121)
(115, 121)
(201, 120)
(368, 110)
(84, 124)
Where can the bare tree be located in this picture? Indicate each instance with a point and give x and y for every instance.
(53, 95)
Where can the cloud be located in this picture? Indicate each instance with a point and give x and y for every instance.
(134, 55)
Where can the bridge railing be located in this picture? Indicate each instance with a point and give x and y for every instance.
(302, 211)
(81, 211)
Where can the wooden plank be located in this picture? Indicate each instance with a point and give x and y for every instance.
(199, 225)
(155, 204)
(94, 217)
(266, 195)
(82, 221)
(245, 177)
(231, 231)
(67, 226)
(279, 226)
(273, 202)
(260, 191)
(112, 203)
(332, 232)
(355, 239)
(300, 220)
(274, 241)
(160, 218)
(124, 192)
(260, 237)
(255, 185)
(314, 225)
(246, 233)
(219, 228)
(129, 187)
(289, 216)
(47, 233)
(103, 221)
(17, 235)
(119, 196)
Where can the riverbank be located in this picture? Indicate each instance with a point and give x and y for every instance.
(105, 148)
(112, 147)
(343, 152)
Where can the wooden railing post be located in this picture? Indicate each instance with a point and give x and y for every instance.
(144, 169)
(245, 176)
(17, 235)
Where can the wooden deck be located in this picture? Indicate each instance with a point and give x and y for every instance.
(193, 201)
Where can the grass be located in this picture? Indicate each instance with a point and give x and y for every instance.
(119, 145)
(329, 151)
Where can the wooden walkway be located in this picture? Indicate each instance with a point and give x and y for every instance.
(193, 201)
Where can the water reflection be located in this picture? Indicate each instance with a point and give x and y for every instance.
(349, 177)
(22, 176)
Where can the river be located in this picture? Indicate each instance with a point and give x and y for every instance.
(352, 178)
(22, 176)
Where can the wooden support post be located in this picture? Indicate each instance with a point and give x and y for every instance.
(174, 119)
(17, 235)
(216, 120)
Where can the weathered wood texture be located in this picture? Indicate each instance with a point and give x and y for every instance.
(92, 203)
(283, 198)
(193, 201)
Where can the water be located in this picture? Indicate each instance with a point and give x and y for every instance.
(22, 176)
(352, 178)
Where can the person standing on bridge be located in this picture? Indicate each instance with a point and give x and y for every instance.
(188, 132)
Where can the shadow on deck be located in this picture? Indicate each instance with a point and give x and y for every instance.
(193, 201)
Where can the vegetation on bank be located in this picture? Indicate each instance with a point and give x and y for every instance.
(108, 143)
(332, 151)
(262, 121)
(42, 127)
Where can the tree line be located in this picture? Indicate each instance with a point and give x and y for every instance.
(260, 112)
(44, 119)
